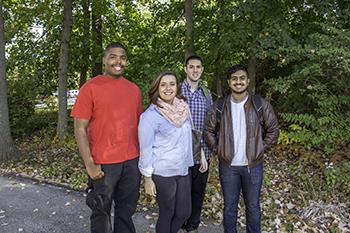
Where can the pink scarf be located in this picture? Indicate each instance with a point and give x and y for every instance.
(175, 113)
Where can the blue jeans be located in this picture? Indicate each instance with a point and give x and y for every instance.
(233, 179)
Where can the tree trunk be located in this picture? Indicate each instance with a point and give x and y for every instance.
(8, 150)
(219, 74)
(218, 78)
(63, 70)
(83, 75)
(85, 57)
(96, 38)
(252, 73)
(189, 28)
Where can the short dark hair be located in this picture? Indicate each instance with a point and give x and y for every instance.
(153, 93)
(193, 57)
(234, 69)
(113, 45)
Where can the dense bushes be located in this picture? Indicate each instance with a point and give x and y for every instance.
(314, 99)
(21, 101)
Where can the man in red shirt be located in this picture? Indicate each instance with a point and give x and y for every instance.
(106, 115)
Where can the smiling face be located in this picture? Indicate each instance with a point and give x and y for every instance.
(194, 70)
(238, 82)
(115, 62)
(167, 88)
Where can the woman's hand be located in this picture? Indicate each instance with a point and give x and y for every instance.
(204, 163)
(150, 187)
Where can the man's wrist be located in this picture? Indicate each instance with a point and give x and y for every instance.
(89, 163)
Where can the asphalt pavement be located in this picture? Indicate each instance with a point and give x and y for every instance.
(30, 206)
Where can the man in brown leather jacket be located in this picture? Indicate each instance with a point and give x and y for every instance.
(240, 140)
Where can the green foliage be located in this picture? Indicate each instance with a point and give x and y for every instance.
(41, 119)
(33, 44)
(21, 104)
(302, 54)
(327, 130)
(314, 99)
(338, 177)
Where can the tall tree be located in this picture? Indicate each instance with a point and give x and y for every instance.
(86, 42)
(63, 70)
(189, 28)
(97, 37)
(7, 147)
(219, 53)
(252, 73)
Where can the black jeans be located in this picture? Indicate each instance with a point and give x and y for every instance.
(120, 184)
(198, 185)
(174, 201)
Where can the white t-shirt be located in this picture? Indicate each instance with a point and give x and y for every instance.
(239, 133)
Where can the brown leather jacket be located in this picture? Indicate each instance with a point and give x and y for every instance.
(222, 141)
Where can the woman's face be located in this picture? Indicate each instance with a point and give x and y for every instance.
(167, 88)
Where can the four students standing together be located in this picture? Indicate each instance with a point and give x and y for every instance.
(117, 142)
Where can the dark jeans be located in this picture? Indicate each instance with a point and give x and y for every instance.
(174, 201)
(120, 184)
(233, 179)
(198, 185)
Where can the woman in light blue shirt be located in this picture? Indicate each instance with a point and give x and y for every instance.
(166, 152)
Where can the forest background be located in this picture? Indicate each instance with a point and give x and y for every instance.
(298, 57)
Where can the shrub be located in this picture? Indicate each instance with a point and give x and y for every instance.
(21, 96)
(338, 178)
(314, 98)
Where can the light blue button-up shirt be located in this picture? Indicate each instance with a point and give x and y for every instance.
(165, 150)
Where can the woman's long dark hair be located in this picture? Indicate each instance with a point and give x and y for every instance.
(153, 93)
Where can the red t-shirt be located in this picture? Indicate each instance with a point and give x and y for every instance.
(113, 108)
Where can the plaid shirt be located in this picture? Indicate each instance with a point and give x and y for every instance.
(199, 106)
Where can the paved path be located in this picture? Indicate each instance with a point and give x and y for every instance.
(32, 207)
